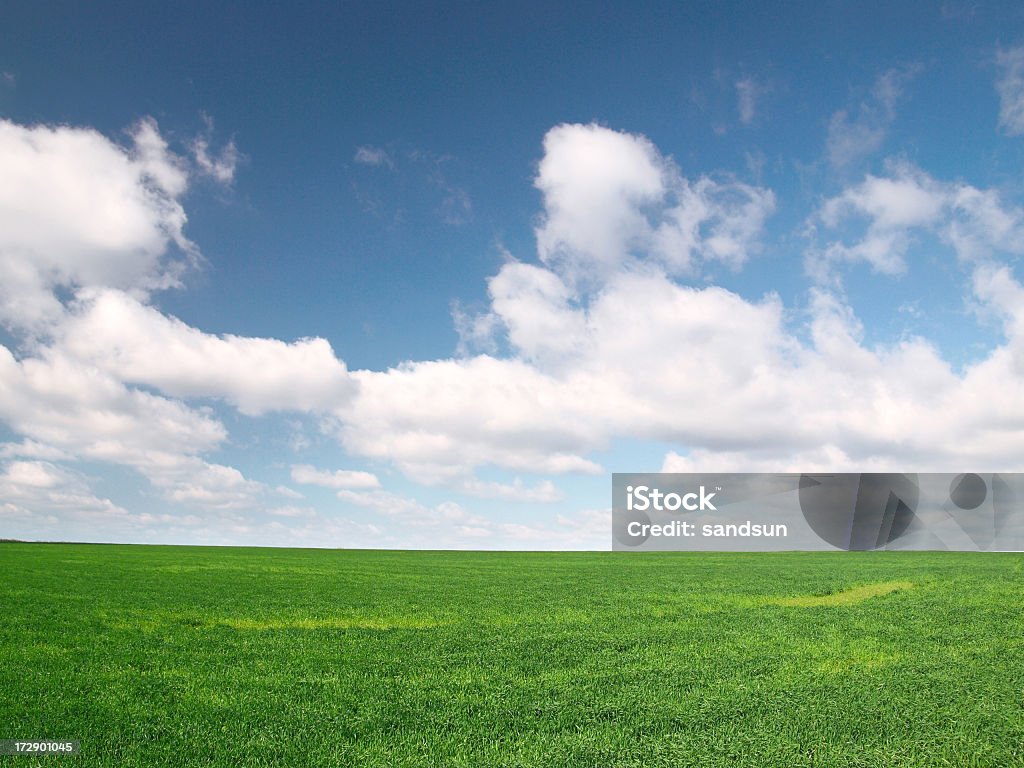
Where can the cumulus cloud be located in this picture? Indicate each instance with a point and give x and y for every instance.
(603, 338)
(439, 420)
(68, 409)
(712, 221)
(338, 479)
(40, 489)
(194, 482)
(57, 401)
(634, 353)
(140, 345)
(88, 230)
(539, 311)
(893, 207)
(611, 198)
(595, 184)
(1010, 87)
(78, 210)
(883, 215)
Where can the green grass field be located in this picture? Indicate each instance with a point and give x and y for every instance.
(244, 657)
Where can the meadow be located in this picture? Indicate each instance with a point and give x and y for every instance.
(179, 656)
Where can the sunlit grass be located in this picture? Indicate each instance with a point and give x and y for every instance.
(257, 657)
(846, 596)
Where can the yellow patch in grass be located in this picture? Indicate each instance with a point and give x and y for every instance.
(160, 621)
(846, 597)
(335, 622)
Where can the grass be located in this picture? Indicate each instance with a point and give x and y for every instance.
(258, 657)
(845, 596)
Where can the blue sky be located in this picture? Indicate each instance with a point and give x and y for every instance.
(409, 276)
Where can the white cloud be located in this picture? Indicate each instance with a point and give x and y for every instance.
(340, 478)
(604, 343)
(574, 382)
(164, 170)
(907, 203)
(997, 289)
(43, 500)
(438, 420)
(374, 156)
(41, 488)
(417, 525)
(982, 224)
(294, 512)
(196, 483)
(57, 401)
(712, 221)
(288, 493)
(139, 345)
(820, 458)
(893, 207)
(859, 131)
(517, 490)
(30, 449)
(634, 354)
(1010, 86)
(611, 198)
(220, 167)
(84, 217)
(596, 183)
(539, 312)
(34, 474)
(476, 331)
(588, 529)
(78, 210)
(78, 410)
